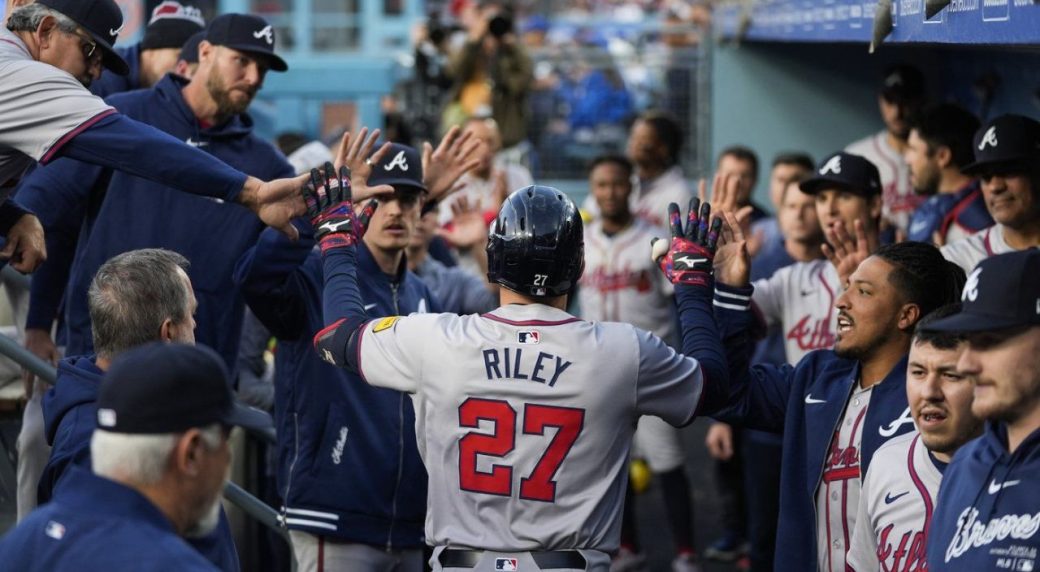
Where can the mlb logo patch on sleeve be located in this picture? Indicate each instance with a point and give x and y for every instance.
(506, 563)
(528, 337)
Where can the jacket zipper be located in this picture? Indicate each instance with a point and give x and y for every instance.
(400, 443)
(292, 465)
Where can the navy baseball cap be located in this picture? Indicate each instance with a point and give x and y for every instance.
(170, 388)
(102, 19)
(400, 167)
(171, 25)
(1006, 143)
(1002, 292)
(847, 172)
(190, 49)
(903, 83)
(246, 33)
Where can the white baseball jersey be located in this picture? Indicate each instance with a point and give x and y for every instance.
(41, 107)
(622, 284)
(524, 418)
(968, 252)
(897, 194)
(800, 298)
(650, 198)
(895, 509)
(837, 496)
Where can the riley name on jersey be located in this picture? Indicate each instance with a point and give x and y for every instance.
(510, 363)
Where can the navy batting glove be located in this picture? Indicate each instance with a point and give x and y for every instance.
(687, 259)
(331, 211)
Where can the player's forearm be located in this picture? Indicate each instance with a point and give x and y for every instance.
(342, 308)
(121, 143)
(700, 340)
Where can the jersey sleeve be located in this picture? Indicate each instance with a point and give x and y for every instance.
(669, 384)
(964, 253)
(389, 350)
(862, 555)
(769, 296)
(42, 107)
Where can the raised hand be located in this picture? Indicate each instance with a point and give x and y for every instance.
(687, 258)
(330, 210)
(468, 227)
(845, 251)
(355, 153)
(456, 154)
(733, 257)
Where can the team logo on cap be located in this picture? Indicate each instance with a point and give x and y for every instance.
(833, 165)
(399, 161)
(971, 287)
(990, 138)
(171, 9)
(106, 417)
(267, 34)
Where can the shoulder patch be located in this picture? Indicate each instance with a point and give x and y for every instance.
(385, 324)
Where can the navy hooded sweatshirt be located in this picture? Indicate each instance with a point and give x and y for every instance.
(348, 463)
(987, 516)
(69, 416)
(91, 214)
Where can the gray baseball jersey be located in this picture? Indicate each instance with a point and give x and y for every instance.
(898, 197)
(41, 107)
(968, 252)
(800, 298)
(524, 418)
(895, 508)
(837, 497)
(622, 284)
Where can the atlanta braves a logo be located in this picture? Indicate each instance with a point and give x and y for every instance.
(990, 138)
(399, 161)
(267, 34)
(833, 165)
(893, 427)
(971, 287)
(812, 335)
(908, 556)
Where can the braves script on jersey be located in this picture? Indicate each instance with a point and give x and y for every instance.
(525, 417)
(622, 284)
(897, 194)
(837, 496)
(800, 298)
(896, 507)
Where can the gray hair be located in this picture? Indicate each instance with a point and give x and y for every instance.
(28, 18)
(132, 295)
(140, 459)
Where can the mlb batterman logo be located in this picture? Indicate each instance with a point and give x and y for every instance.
(528, 337)
(509, 564)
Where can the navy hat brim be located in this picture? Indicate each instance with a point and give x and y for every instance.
(1003, 165)
(109, 58)
(404, 185)
(248, 418)
(820, 183)
(275, 62)
(967, 322)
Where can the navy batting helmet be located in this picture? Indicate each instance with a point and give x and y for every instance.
(536, 246)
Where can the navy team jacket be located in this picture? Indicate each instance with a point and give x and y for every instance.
(348, 464)
(91, 214)
(804, 403)
(70, 415)
(111, 83)
(97, 524)
(987, 516)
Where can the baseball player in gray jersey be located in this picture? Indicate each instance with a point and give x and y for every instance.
(524, 415)
(899, 490)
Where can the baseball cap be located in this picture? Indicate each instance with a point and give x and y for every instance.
(902, 83)
(246, 33)
(1002, 292)
(102, 20)
(1008, 141)
(171, 25)
(847, 172)
(170, 388)
(400, 167)
(190, 49)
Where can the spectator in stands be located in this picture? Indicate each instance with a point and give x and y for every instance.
(158, 52)
(136, 298)
(900, 98)
(938, 148)
(1007, 160)
(158, 472)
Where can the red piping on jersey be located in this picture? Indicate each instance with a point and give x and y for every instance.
(529, 322)
(925, 496)
(65, 138)
(985, 242)
(951, 217)
(321, 554)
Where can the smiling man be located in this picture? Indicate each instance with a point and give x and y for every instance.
(899, 490)
(988, 511)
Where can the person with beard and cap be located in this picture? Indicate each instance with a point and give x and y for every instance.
(160, 459)
(938, 147)
(987, 516)
(93, 213)
(899, 490)
(834, 408)
(49, 51)
(354, 502)
(158, 52)
(136, 298)
(1007, 160)
(900, 98)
